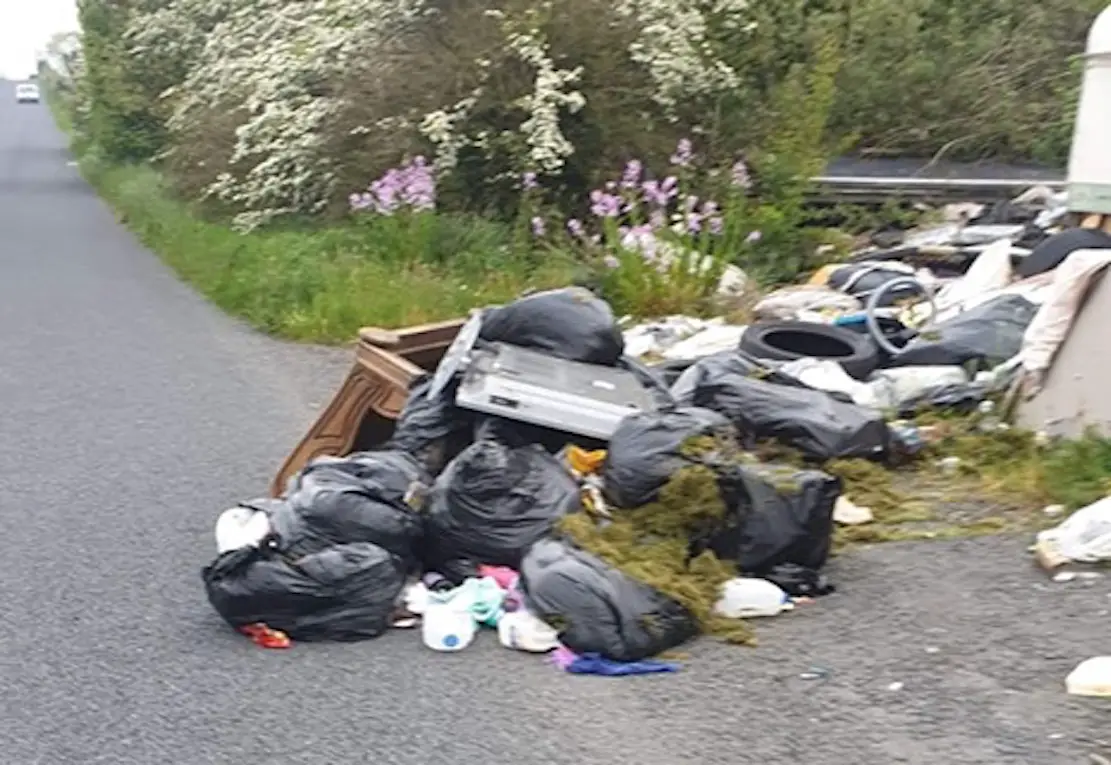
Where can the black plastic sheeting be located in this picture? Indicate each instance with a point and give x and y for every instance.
(343, 593)
(432, 428)
(645, 451)
(602, 610)
(570, 323)
(1054, 250)
(815, 423)
(372, 497)
(862, 279)
(778, 515)
(983, 337)
(493, 502)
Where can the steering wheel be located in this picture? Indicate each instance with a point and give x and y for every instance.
(874, 301)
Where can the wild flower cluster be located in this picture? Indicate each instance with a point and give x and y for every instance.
(408, 188)
(653, 216)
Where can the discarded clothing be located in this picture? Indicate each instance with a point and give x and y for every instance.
(594, 664)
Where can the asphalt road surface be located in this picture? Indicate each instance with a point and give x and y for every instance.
(132, 412)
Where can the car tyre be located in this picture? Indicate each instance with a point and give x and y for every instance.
(857, 353)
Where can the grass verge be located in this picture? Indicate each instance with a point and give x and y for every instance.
(322, 285)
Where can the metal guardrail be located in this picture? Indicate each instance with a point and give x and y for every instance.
(878, 189)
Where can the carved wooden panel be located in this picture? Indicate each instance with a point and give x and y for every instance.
(378, 382)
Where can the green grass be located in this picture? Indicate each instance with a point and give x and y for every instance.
(322, 285)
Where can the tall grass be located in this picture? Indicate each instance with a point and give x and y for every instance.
(322, 285)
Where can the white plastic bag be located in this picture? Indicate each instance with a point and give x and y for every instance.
(745, 598)
(1091, 678)
(240, 527)
(1085, 537)
(523, 631)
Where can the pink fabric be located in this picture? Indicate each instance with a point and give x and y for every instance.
(503, 575)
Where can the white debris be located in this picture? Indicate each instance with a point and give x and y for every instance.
(847, 513)
(1091, 678)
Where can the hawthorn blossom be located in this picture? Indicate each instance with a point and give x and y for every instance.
(739, 175)
(684, 154)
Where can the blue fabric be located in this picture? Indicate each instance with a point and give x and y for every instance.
(593, 664)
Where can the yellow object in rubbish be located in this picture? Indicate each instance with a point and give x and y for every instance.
(585, 462)
(822, 275)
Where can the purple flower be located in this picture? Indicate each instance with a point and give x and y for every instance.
(658, 219)
(604, 205)
(684, 154)
(660, 193)
(709, 207)
(716, 225)
(753, 237)
(538, 227)
(694, 222)
(411, 185)
(740, 176)
(611, 262)
(633, 171)
(575, 228)
(528, 181)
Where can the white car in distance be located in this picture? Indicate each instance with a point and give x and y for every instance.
(27, 93)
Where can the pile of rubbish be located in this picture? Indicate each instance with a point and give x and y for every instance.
(597, 493)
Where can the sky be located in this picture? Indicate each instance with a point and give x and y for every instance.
(25, 27)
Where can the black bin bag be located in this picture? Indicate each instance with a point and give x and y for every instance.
(372, 497)
(493, 502)
(984, 336)
(820, 426)
(598, 609)
(570, 323)
(646, 451)
(432, 428)
(343, 593)
(777, 515)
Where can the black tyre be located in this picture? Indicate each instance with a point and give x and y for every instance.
(789, 340)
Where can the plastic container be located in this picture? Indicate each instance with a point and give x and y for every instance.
(1091, 678)
(523, 631)
(746, 598)
(447, 627)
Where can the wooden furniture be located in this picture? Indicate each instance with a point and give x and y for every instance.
(362, 413)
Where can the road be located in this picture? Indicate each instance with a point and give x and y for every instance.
(132, 412)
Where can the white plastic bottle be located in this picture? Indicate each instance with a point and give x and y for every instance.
(744, 598)
(447, 627)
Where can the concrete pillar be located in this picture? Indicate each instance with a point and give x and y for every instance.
(1089, 176)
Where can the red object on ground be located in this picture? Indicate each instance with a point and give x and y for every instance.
(263, 636)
